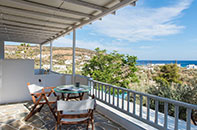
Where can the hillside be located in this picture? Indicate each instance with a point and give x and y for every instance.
(62, 56)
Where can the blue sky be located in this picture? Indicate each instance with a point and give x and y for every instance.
(152, 30)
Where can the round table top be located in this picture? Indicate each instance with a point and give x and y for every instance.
(72, 89)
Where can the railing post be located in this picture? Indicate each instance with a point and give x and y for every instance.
(128, 101)
(176, 115)
(118, 97)
(134, 100)
(189, 111)
(123, 99)
(96, 89)
(99, 90)
(113, 96)
(156, 111)
(141, 100)
(102, 92)
(105, 93)
(148, 109)
(165, 115)
(109, 94)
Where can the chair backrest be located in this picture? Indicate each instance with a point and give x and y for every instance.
(75, 105)
(33, 88)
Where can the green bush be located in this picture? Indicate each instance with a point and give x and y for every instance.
(113, 68)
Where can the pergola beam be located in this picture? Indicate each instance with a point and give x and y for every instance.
(87, 4)
(36, 13)
(109, 11)
(30, 25)
(4, 30)
(10, 36)
(15, 27)
(34, 20)
(49, 8)
(33, 41)
(25, 34)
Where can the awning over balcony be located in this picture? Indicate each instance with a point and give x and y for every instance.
(41, 21)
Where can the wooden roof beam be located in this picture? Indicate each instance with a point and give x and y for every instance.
(30, 12)
(21, 28)
(87, 4)
(29, 25)
(33, 20)
(49, 8)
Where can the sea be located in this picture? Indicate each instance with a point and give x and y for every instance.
(183, 63)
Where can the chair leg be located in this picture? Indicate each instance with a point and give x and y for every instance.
(56, 126)
(52, 111)
(39, 109)
(92, 122)
(31, 113)
(87, 124)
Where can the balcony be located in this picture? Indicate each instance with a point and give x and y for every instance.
(41, 22)
(119, 113)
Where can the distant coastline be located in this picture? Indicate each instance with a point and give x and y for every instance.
(182, 63)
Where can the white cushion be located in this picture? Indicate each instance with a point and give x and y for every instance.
(75, 112)
(75, 105)
(74, 120)
(33, 88)
(50, 99)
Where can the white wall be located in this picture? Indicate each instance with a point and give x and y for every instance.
(14, 77)
(48, 80)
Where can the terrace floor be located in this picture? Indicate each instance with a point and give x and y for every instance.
(12, 118)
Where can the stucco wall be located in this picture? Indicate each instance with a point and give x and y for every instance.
(14, 77)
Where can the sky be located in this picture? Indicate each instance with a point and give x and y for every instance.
(152, 30)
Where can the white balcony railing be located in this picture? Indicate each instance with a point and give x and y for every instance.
(115, 97)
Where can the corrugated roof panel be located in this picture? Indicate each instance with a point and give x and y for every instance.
(53, 17)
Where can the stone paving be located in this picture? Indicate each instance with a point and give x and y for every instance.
(12, 118)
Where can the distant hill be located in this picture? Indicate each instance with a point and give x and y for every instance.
(62, 56)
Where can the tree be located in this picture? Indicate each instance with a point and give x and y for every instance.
(168, 74)
(170, 86)
(113, 68)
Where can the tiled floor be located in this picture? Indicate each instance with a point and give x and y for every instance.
(12, 118)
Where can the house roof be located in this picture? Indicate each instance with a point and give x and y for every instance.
(41, 21)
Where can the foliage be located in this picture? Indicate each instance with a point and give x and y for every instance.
(113, 68)
(24, 51)
(176, 92)
(168, 74)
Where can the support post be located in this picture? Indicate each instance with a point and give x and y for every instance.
(1, 49)
(51, 56)
(73, 62)
(40, 56)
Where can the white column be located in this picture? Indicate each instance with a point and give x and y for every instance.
(1, 49)
(73, 63)
(40, 56)
(51, 56)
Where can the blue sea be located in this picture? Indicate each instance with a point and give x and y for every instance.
(183, 63)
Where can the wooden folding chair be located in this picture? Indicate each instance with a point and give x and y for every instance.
(75, 112)
(41, 96)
